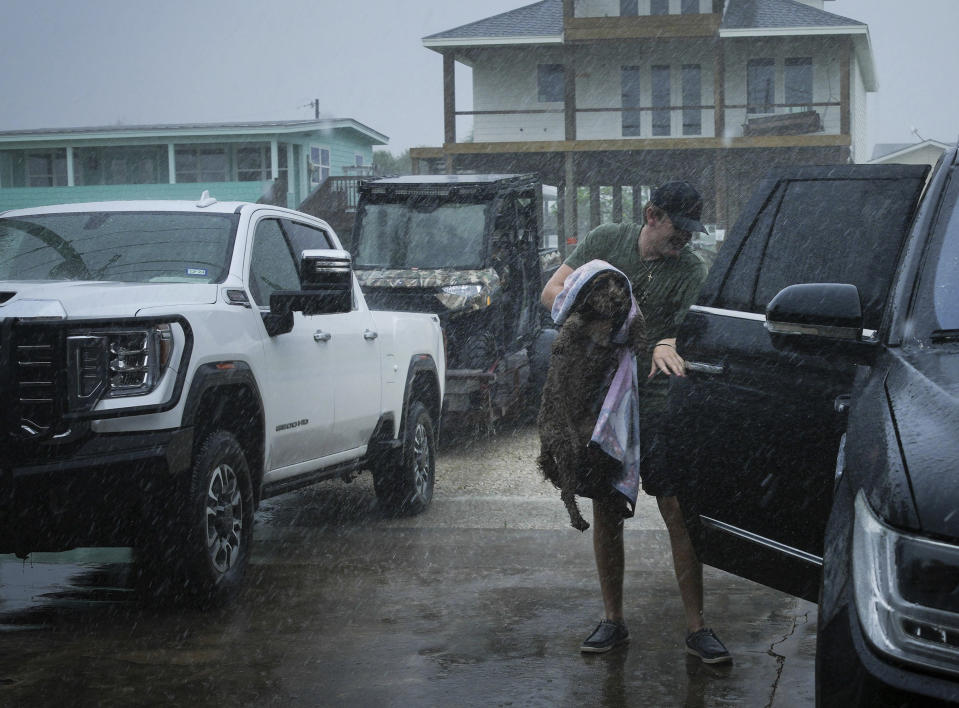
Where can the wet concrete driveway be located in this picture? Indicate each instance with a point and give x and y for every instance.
(481, 601)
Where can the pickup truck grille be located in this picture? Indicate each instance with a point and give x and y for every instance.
(30, 379)
(36, 387)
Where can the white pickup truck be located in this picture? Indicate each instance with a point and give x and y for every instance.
(165, 365)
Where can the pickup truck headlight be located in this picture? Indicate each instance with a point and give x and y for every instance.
(460, 297)
(117, 363)
(907, 592)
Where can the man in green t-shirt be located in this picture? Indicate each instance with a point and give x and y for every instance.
(666, 276)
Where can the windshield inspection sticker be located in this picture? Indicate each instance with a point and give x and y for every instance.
(196, 271)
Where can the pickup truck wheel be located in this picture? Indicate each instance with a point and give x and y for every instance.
(406, 486)
(219, 522)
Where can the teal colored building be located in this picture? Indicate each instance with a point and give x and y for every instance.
(234, 161)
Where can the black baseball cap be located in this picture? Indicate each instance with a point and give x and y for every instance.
(682, 204)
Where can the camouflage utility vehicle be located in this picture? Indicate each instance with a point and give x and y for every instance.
(468, 248)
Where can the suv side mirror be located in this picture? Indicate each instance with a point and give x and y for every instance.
(817, 318)
(830, 310)
(326, 282)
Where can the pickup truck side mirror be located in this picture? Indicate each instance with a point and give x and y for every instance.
(326, 282)
(816, 318)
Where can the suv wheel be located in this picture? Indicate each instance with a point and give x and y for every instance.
(405, 487)
(219, 521)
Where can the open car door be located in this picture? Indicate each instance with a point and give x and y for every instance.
(754, 430)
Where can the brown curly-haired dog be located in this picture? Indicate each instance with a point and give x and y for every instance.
(581, 363)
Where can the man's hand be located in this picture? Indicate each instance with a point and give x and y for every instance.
(667, 359)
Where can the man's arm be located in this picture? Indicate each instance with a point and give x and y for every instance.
(555, 286)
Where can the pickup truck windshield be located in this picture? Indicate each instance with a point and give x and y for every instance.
(138, 247)
(402, 236)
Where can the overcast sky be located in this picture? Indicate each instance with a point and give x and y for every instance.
(70, 63)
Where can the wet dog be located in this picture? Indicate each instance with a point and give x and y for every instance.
(582, 361)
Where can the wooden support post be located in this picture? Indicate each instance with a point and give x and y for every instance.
(594, 218)
(569, 192)
(617, 203)
(561, 218)
(449, 98)
(638, 204)
(845, 86)
(719, 89)
(569, 95)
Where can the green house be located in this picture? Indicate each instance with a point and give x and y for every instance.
(280, 162)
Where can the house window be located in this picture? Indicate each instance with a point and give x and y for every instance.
(658, 7)
(797, 78)
(46, 168)
(692, 99)
(628, 8)
(689, 7)
(550, 80)
(629, 77)
(760, 85)
(357, 160)
(201, 163)
(661, 100)
(253, 163)
(146, 164)
(319, 164)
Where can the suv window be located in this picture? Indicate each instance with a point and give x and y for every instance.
(813, 231)
(937, 305)
(272, 265)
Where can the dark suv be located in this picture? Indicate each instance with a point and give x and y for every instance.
(819, 422)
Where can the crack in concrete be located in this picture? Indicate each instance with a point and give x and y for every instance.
(780, 658)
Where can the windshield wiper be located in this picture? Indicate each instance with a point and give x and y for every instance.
(945, 335)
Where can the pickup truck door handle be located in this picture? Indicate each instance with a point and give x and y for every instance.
(321, 336)
(370, 335)
(705, 368)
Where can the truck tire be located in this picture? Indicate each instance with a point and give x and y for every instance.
(404, 487)
(218, 522)
(479, 351)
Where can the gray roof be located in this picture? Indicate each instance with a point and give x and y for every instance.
(881, 150)
(540, 19)
(177, 127)
(770, 14)
(545, 19)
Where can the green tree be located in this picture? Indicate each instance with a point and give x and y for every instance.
(386, 164)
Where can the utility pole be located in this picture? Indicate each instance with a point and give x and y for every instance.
(316, 108)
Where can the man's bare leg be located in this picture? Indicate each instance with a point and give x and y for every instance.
(608, 548)
(689, 571)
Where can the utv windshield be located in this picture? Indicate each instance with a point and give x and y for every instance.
(134, 247)
(399, 236)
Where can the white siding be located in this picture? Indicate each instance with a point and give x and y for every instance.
(506, 80)
(598, 86)
(825, 59)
